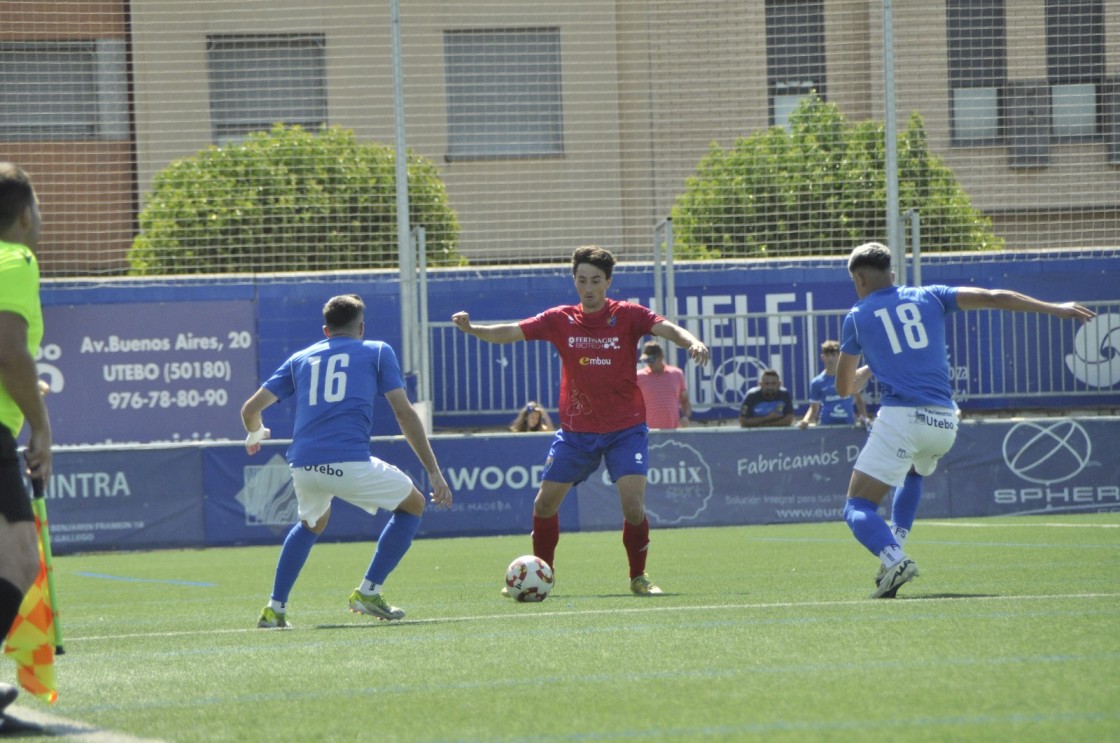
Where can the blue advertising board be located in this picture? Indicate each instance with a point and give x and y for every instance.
(112, 499)
(217, 495)
(98, 397)
(148, 372)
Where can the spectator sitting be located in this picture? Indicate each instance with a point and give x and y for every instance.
(663, 389)
(768, 404)
(532, 418)
(826, 406)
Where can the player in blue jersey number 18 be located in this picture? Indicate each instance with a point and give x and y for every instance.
(900, 333)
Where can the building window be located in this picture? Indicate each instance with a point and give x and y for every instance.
(504, 93)
(795, 65)
(260, 80)
(63, 90)
(1075, 66)
(977, 40)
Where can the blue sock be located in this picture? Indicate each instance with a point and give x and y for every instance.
(906, 499)
(297, 546)
(394, 541)
(867, 525)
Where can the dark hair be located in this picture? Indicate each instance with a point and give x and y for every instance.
(16, 193)
(521, 423)
(601, 258)
(830, 346)
(343, 311)
(875, 256)
(769, 373)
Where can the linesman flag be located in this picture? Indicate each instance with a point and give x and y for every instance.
(31, 640)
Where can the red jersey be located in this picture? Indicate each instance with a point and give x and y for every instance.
(599, 360)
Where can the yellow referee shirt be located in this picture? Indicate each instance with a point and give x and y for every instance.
(19, 293)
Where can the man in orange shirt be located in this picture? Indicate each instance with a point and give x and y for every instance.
(664, 390)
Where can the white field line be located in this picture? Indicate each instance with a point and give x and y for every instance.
(676, 609)
(1018, 526)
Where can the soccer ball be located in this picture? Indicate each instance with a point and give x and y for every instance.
(529, 578)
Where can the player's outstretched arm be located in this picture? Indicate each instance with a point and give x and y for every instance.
(670, 331)
(976, 298)
(497, 333)
(413, 429)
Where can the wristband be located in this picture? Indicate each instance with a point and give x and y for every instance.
(255, 437)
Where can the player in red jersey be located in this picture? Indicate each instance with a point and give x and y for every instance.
(602, 413)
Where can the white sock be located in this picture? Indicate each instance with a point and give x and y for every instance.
(278, 606)
(900, 534)
(891, 555)
(369, 588)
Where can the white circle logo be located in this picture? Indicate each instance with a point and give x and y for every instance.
(1047, 452)
(1095, 360)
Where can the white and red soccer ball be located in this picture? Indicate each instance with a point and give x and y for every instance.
(529, 578)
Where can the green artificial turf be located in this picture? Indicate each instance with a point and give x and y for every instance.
(1012, 633)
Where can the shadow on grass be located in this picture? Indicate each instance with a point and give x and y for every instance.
(927, 596)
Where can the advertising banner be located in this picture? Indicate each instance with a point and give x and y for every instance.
(251, 500)
(148, 372)
(217, 495)
(102, 499)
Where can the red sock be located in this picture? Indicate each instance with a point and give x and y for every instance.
(546, 533)
(635, 537)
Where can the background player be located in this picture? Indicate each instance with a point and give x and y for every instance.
(767, 404)
(602, 414)
(664, 390)
(900, 332)
(826, 406)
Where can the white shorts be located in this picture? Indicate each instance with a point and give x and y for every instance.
(369, 485)
(905, 437)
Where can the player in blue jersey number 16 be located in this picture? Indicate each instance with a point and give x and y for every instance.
(334, 383)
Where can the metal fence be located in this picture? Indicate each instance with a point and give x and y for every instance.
(997, 360)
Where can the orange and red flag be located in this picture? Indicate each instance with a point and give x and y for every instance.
(31, 640)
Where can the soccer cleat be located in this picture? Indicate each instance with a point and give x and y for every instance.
(878, 577)
(893, 578)
(271, 619)
(505, 591)
(643, 586)
(374, 605)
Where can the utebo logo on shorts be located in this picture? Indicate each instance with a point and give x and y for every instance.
(1047, 452)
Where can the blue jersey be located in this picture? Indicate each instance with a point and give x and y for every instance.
(335, 382)
(900, 331)
(835, 410)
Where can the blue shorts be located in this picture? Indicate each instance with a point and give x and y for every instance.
(574, 457)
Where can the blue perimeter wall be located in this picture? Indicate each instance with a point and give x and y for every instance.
(208, 494)
(141, 362)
